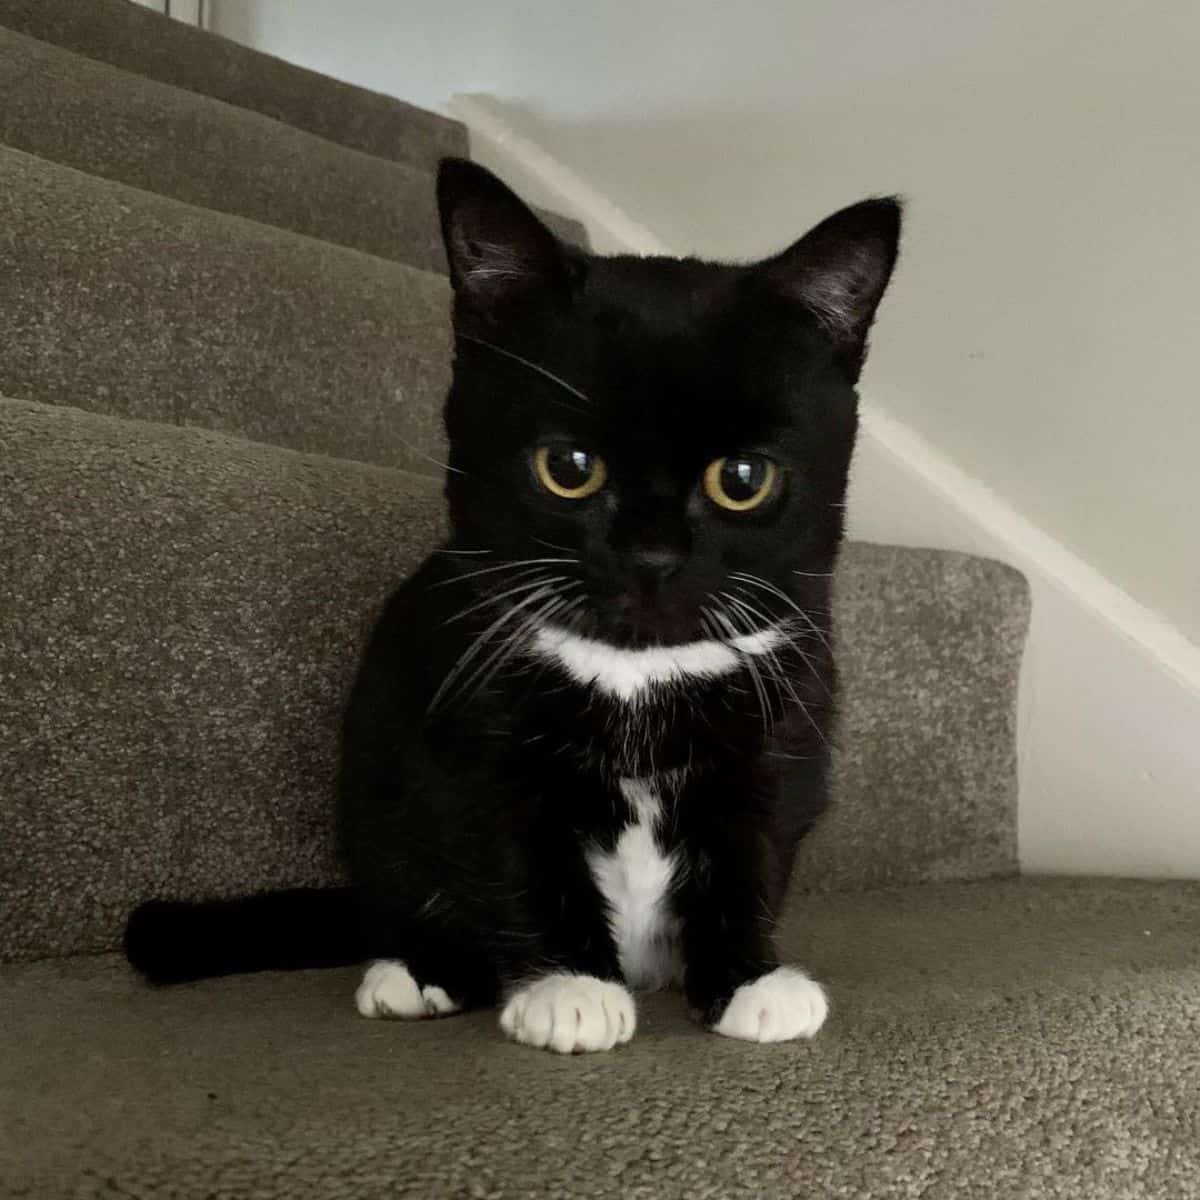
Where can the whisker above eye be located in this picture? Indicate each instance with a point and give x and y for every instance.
(437, 462)
(467, 337)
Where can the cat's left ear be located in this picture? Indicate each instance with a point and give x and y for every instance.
(497, 248)
(839, 271)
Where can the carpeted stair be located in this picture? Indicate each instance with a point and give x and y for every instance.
(223, 347)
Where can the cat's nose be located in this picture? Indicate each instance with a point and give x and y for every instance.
(655, 564)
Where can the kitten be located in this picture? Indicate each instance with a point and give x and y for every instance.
(587, 735)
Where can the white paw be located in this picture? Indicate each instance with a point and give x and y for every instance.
(776, 1007)
(570, 1013)
(388, 990)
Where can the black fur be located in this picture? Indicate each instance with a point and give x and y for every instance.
(470, 794)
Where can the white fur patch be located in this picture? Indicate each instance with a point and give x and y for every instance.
(625, 674)
(634, 879)
(570, 1014)
(777, 1007)
(389, 990)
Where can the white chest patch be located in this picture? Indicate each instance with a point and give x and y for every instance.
(634, 878)
(626, 674)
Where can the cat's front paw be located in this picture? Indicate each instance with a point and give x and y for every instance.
(776, 1007)
(570, 1014)
(389, 990)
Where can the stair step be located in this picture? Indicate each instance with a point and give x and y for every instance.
(925, 754)
(108, 122)
(135, 39)
(116, 298)
(183, 612)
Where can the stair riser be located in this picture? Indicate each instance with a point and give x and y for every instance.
(115, 298)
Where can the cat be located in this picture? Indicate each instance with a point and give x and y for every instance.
(588, 733)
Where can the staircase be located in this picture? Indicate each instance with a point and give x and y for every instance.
(224, 343)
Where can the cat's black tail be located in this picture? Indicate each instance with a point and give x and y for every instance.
(170, 941)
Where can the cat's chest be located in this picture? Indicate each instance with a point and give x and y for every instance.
(636, 714)
(636, 877)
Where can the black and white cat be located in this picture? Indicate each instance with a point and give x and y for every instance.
(589, 732)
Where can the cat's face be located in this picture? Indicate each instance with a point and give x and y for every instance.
(676, 433)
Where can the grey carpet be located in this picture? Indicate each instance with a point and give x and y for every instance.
(134, 130)
(125, 301)
(135, 39)
(125, 127)
(181, 614)
(988, 1041)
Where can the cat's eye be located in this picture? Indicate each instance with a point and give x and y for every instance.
(740, 483)
(568, 471)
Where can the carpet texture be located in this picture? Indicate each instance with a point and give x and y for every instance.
(1032, 1039)
(125, 127)
(134, 130)
(180, 619)
(135, 39)
(181, 615)
(929, 647)
(121, 300)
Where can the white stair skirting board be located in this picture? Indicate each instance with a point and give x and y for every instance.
(1109, 721)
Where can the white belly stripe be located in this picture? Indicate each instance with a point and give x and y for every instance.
(634, 879)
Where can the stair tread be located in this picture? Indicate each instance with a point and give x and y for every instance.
(1025, 1037)
(115, 297)
(125, 127)
(137, 40)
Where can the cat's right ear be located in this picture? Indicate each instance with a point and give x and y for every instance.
(497, 248)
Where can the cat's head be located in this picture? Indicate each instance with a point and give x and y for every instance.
(667, 428)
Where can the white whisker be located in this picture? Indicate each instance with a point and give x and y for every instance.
(488, 671)
(525, 362)
(437, 462)
(478, 644)
(540, 578)
(512, 565)
(784, 627)
(766, 586)
(722, 618)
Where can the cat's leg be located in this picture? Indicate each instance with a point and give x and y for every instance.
(569, 995)
(732, 975)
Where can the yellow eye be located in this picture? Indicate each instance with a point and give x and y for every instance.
(741, 483)
(568, 471)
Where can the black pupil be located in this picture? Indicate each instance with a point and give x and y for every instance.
(741, 478)
(569, 468)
